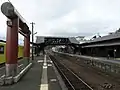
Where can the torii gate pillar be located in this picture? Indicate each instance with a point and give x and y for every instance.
(27, 48)
(12, 48)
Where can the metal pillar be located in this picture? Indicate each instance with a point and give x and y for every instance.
(12, 48)
(27, 48)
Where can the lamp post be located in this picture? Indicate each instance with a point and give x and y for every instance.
(32, 45)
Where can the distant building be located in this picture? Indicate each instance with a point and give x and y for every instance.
(81, 39)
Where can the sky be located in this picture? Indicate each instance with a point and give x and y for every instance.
(67, 17)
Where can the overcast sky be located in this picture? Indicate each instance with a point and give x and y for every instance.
(68, 17)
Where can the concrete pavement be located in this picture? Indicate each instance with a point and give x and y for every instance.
(40, 77)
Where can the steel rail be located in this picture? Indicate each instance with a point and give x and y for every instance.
(70, 83)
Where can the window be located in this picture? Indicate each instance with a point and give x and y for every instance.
(1, 49)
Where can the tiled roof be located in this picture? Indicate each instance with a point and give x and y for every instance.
(107, 37)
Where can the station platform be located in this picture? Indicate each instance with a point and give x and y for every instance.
(42, 76)
(104, 59)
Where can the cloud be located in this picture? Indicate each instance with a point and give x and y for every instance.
(69, 17)
(86, 17)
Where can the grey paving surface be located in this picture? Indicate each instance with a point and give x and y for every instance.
(2, 71)
(21, 65)
(31, 81)
(52, 79)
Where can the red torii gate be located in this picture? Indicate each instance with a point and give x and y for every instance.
(15, 24)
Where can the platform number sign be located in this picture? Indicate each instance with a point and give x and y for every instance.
(1, 49)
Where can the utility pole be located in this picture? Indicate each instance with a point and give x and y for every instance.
(32, 38)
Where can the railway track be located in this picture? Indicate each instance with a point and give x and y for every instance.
(72, 81)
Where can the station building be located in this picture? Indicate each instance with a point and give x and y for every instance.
(106, 46)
